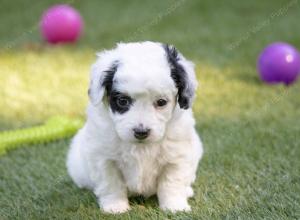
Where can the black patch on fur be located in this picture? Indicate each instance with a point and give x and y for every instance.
(109, 76)
(179, 76)
(112, 95)
(114, 98)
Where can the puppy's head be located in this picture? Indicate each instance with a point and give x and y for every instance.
(142, 84)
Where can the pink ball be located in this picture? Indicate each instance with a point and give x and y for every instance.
(61, 24)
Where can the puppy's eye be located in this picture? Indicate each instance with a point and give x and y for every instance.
(161, 102)
(123, 102)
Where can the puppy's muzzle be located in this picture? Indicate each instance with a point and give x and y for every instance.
(141, 133)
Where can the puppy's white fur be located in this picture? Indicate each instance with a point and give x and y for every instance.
(106, 157)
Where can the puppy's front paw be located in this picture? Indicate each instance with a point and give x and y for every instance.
(175, 205)
(115, 207)
(189, 192)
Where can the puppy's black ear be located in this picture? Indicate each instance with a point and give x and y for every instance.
(183, 74)
(102, 75)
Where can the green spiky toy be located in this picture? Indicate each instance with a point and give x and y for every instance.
(55, 128)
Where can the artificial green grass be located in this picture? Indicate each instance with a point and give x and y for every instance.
(250, 131)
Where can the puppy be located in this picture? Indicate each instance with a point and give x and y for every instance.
(139, 137)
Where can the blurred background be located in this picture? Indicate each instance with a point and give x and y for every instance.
(250, 129)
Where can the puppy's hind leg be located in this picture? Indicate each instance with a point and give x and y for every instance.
(77, 165)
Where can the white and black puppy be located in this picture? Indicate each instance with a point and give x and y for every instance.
(139, 137)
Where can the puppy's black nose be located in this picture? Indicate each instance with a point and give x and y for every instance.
(141, 133)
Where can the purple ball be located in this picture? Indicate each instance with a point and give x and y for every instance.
(61, 24)
(279, 63)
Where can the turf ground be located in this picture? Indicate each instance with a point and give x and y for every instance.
(250, 131)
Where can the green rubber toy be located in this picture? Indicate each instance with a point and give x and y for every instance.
(55, 128)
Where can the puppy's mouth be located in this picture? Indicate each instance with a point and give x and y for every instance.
(144, 141)
(148, 140)
(141, 141)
